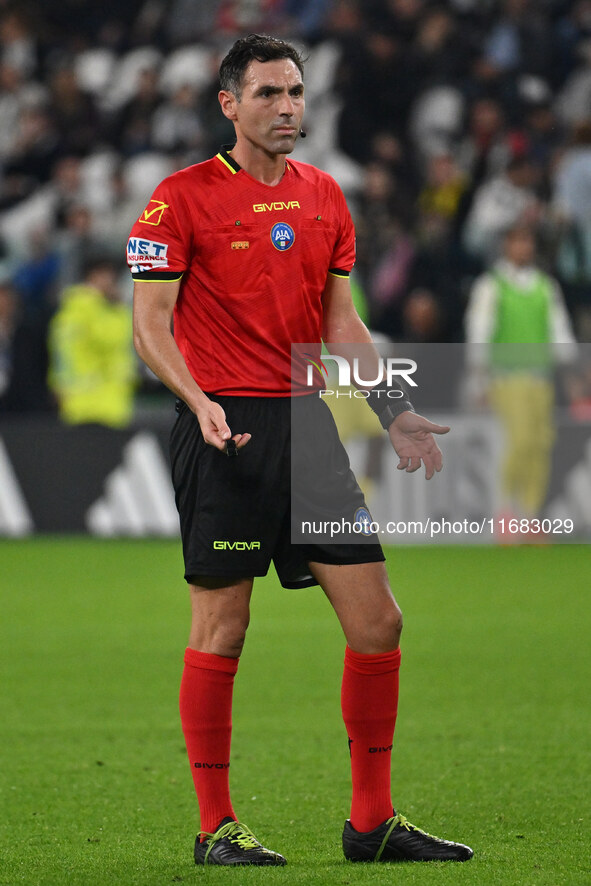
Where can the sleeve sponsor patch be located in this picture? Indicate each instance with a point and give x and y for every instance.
(152, 214)
(146, 254)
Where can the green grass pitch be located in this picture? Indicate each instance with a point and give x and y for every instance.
(491, 746)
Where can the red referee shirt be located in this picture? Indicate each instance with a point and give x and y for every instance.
(254, 260)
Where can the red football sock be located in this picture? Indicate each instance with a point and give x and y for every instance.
(206, 717)
(369, 701)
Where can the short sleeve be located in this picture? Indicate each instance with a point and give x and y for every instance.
(343, 256)
(159, 244)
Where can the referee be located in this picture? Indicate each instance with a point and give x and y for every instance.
(245, 254)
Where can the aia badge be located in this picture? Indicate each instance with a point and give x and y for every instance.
(152, 214)
(282, 236)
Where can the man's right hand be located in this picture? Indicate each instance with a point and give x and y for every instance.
(153, 307)
(212, 421)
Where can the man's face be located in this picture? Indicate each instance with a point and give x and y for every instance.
(104, 279)
(269, 113)
(520, 248)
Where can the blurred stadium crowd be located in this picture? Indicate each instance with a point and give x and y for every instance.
(444, 122)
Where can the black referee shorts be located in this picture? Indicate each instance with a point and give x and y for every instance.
(236, 512)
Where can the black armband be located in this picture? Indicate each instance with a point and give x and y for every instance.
(388, 401)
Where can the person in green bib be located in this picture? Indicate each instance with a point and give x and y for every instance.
(517, 330)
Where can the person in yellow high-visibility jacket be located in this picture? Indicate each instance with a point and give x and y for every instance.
(93, 369)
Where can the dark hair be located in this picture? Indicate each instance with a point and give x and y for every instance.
(255, 47)
(92, 265)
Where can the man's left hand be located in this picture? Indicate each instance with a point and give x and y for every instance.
(411, 436)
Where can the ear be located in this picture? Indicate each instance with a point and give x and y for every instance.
(228, 104)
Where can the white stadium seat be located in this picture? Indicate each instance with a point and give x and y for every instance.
(125, 75)
(190, 65)
(94, 68)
